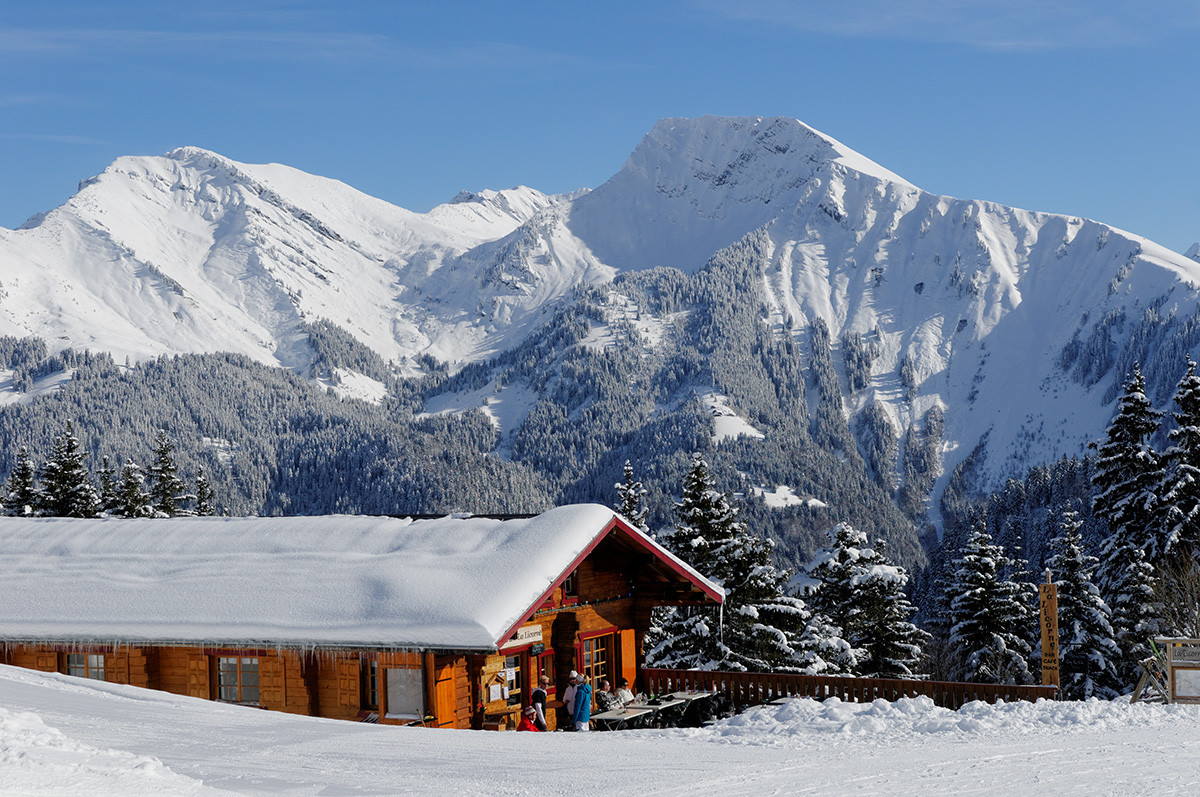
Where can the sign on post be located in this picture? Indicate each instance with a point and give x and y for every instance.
(1048, 609)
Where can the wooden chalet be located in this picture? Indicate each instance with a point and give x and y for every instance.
(445, 622)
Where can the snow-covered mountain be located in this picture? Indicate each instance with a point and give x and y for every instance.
(1016, 324)
(192, 252)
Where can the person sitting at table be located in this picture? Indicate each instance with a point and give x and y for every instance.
(583, 705)
(605, 699)
(527, 720)
(623, 692)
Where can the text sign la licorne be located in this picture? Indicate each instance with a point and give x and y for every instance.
(526, 635)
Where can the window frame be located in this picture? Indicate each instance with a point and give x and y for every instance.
(368, 679)
(608, 637)
(240, 672)
(92, 666)
(570, 588)
(545, 666)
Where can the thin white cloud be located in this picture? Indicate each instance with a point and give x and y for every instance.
(981, 23)
(246, 43)
(54, 139)
(281, 45)
(18, 100)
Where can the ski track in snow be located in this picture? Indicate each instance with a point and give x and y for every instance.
(60, 735)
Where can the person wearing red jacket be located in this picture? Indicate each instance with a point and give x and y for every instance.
(527, 721)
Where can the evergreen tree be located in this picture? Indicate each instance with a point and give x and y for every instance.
(863, 596)
(1127, 584)
(1128, 471)
(1087, 651)
(166, 489)
(204, 494)
(21, 494)
(988, 633)
(106, 474)
(132, 498)
(67, 490)
(632, 496)
(823, 651)
(1179, 528)
(761, 627)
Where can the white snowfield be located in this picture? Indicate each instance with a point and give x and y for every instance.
(449, 583)
(60, 735)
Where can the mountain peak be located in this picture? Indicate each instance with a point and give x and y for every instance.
(195, 153)
(750, 145)
(694, 186)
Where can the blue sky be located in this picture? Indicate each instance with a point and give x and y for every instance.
(1086, 108)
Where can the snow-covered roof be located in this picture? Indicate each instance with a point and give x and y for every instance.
(448, 583)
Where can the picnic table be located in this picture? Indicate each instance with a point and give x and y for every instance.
(620, 718)
(665, 710)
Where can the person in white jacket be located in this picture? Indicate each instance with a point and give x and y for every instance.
(568, 699)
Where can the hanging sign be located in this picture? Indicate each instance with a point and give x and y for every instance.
(526, 635)
(1048, 609)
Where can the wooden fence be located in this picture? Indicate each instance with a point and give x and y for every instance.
(752, 688)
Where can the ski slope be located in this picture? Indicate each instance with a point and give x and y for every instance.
(61, 735)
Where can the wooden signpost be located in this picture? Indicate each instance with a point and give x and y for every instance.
(1048, 609)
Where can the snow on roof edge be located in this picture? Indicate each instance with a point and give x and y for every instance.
(295, 583)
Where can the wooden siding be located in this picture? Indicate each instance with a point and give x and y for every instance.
(614, 595)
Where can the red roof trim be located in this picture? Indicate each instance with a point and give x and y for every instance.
(615, 523)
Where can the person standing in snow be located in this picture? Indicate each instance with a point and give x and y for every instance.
(568, 699)
(538, 703)
(583, 705)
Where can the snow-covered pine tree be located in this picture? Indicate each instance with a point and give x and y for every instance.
(863, 595)
(632, 495)
(1127, 585)
(988, 635)
(106, 474)
(893, 644)
(132, 498)
(204, 494)
(21, 495)
(823, 651)
(67, 489)
(687, 637)
(1087, 651)
(761, 625)
(1178, 532)
(1128, 471)
(166, 488)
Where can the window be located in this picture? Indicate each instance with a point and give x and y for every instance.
(570, 587)
(545, 666)
(369, 678)
(596, 659)
(405, 693)
(86, 665)
(512, 679)
(237, 679)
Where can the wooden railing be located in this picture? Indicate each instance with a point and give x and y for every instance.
(752, 688)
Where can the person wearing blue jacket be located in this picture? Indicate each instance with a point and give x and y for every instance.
(583, 705)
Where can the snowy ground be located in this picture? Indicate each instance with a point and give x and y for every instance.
(60, 735)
